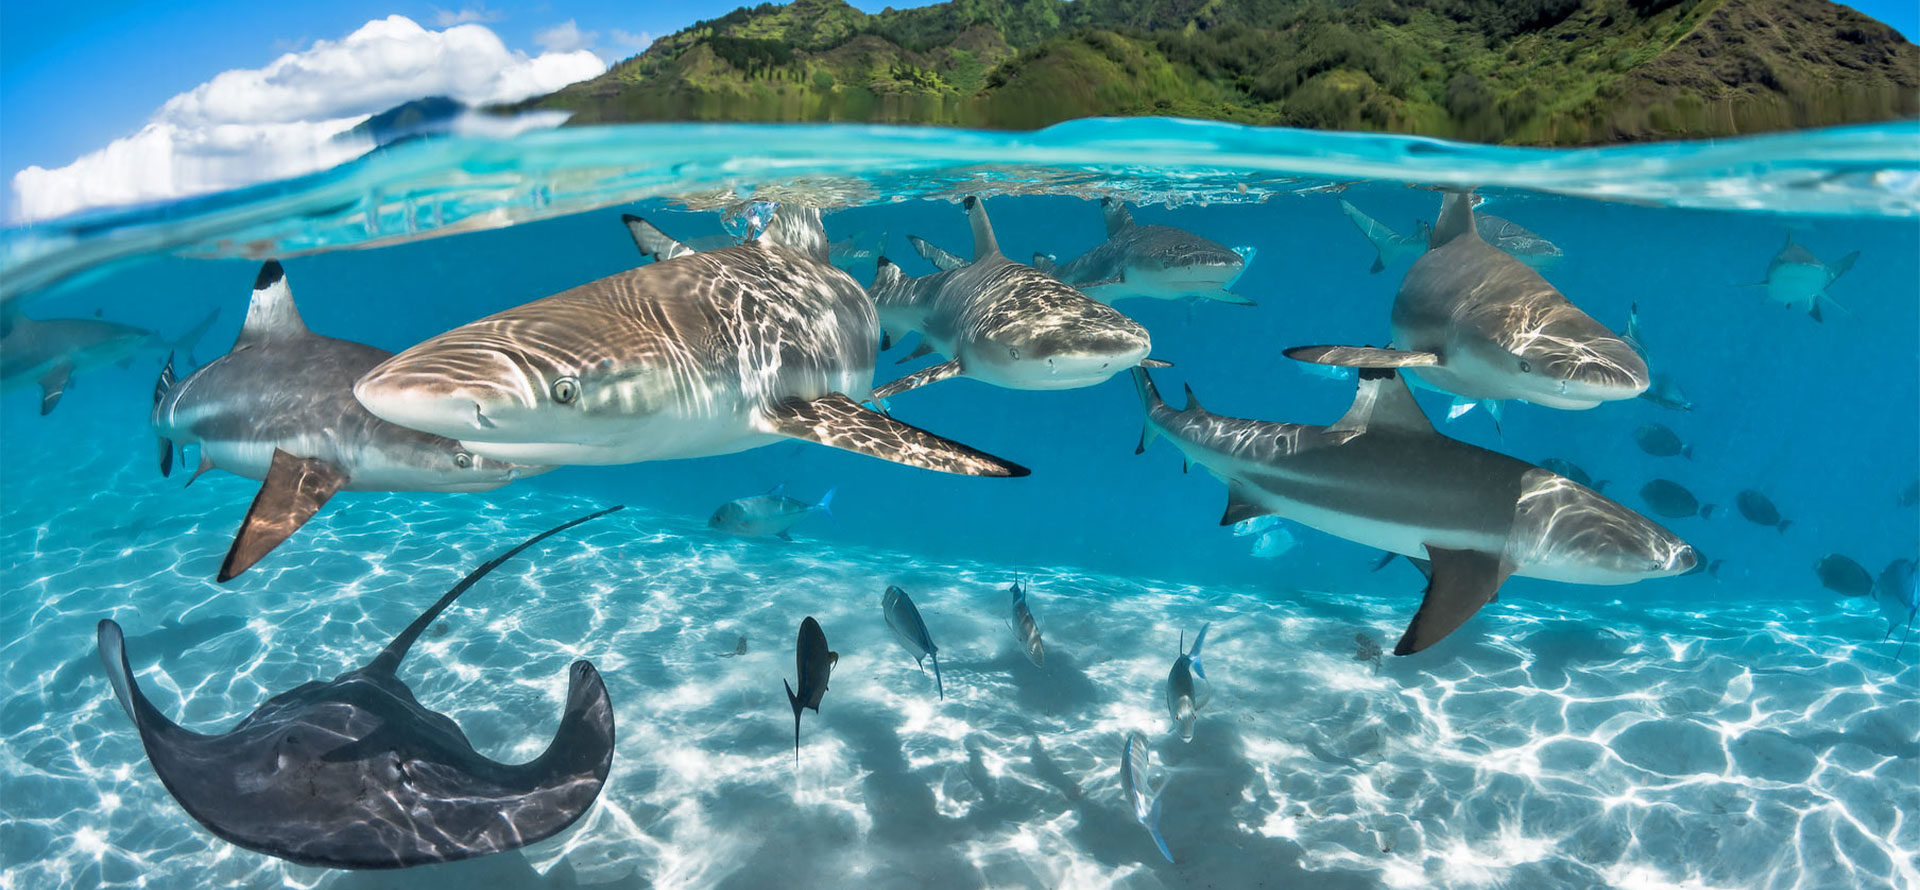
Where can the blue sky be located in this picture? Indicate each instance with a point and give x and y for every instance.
(74, 76)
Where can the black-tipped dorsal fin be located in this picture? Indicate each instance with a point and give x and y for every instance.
(1383, 402)
(984, 244)
(1456, 218)
(389, 658)
(797, 227)
(271, 314)
(1117, 216)
(652, 242)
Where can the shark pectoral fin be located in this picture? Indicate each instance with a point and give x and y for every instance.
(839, 422)
(1379, 265)
(1154, 363)
(1462, 581)
(1240, 507)
(1362, 357)
(1840, 266)
(166, 457)
(206, 463)
(917, 379)
(1226, 296)
(941, 259)
(294, 490)
(53, 385)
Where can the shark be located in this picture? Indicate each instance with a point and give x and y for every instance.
(1156, 262)
(1475, 322)
(1389, 246)
(1382, 476)
(1798, 280)
(279, 407)
(1002, 322)
(48, 352)
(356, 773)
(705, 353)
(750, 218)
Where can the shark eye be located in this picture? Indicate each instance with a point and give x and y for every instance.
(1526, 367)
(462, 460)
(1013, 352)
(566, 389)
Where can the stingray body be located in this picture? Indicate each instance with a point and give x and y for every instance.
(357, 773)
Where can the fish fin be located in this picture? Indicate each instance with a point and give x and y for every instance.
(1155, 363)
(1226, 296)
(166, 457)
(1362, 357)
(206, 463)
(188, 340)
(794, 700)
(1686, 452)
(941, 259)
(1150, 400)
(1045, 263)
(1813, 310)
(1830, 301)
(1153, 823)
(839, 422)
(886, 273)
(1241, 508)
(1386, 558)
(1383, 401)
(1193, 401)
(1379, 265)
(1783, 525)
(53, 385)
(886, 341)
(937, 683)
(1088, 287)
(294, 490)
(984, 244)
(1600, 485)
(1193, 655)
(1456, 218)
(783, 536)
(160, 389)
(1706, 512)
(1117, 217)
(1841, 266)
(826, 503)
(653, 243)
(1462, 582)
(271, 313)
(917, 379)
(924, 347)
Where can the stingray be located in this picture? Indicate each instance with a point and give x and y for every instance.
(356, 773)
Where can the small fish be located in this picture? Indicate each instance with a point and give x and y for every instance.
(1274, 543)
(1843, 576)
(1136, 782)
(1367, 648)
(1187, 688)
(766, 514)
(1673, 500)
(739, 648)
(1572, 471)
(903, 618)
(1658, 440)
(1254, 526)
(1025, 630)
(1898, 595)
(812, 663)
(1759, 509)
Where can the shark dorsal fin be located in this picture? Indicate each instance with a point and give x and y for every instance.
(941, 259)
(1117, 216)
(1456, 219)
(983, 243)
(389, 658)
(271, 314)
(1383, 401)
(652, 242)
(798, 228)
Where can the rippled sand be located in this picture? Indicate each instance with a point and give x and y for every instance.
(1554, 743)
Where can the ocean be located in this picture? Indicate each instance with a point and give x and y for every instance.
(1735, 728)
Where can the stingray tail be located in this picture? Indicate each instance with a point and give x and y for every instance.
(389, 658)
(795, 701)
(160, 389)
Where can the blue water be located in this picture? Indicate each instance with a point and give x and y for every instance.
(1742, 729)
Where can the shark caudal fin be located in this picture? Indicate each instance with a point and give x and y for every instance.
(186, 341)
(1149, 400)
(1382, 238)
(160, 389)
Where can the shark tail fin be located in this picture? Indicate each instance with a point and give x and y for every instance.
(160, 389)
(1193, 655)
(188, 340)
(1153, 823)
(1151, 401)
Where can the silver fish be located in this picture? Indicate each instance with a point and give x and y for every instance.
(1025, 630)
(1187, 690)
(903, 618)
(1136, 783)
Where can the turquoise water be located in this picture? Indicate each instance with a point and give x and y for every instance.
(1744, 728)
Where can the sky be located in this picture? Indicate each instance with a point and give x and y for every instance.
(76, 76)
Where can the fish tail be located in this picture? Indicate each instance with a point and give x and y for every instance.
(1193, 656)
(160, 389)
(937, 684)
(1153, 825)
(1151, 401)
(795, 701)
(826, 503)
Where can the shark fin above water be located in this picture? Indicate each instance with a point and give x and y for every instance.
(837, 421)
(294, 490)
(1458, 584)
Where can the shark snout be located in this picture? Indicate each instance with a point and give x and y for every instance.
(460, 394)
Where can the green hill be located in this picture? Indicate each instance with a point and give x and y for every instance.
(1519, 71)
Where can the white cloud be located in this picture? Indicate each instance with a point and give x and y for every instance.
(253, 125)
(466, 15)
(565, 37)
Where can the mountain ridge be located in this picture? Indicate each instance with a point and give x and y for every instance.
(1543, 72)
